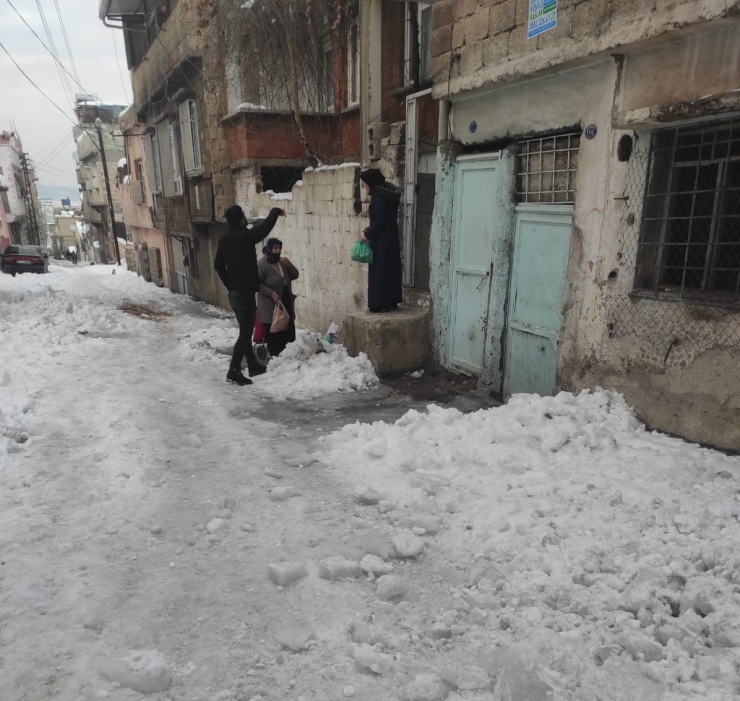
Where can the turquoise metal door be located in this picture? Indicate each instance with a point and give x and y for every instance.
(541, 250)
(474, 217)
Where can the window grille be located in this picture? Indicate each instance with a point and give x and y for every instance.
(690, 234)
(678, 328)
(547, 168)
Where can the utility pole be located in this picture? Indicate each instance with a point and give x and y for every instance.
(33, 225)
(99, 127)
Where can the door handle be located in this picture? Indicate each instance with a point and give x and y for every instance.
(482, 280)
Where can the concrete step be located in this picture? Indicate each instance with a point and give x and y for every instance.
(396, 342)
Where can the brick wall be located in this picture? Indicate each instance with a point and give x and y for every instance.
(491, 35)
(275, 136)
(351, 135)
(318, 233)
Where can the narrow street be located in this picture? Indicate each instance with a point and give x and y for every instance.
(549, 549)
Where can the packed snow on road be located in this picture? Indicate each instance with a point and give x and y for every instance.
(166, 535)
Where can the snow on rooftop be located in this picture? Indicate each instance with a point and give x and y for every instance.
(246, 106)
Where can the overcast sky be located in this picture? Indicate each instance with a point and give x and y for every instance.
(44, 129)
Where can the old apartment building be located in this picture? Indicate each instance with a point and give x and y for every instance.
(21, 220)
(587, 222)
(97, 244)
(220, 118)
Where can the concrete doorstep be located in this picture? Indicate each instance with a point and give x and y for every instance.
(396, 342)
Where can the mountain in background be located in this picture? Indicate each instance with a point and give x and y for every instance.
(57, 192)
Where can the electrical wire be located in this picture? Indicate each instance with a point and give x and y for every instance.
(41, 41)
(52, 145)
(66, 42)
(52, 153)
(118, 62)
(50, 38)
(28, 78)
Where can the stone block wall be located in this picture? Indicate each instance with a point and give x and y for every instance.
(318, 232)
(480, 42)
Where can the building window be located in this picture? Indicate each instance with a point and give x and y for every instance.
(190, 136)
(418, 49)
(175, 151)
(353, 49)
(154, 162)
(190, 252)
(546, 172)
(690, 233)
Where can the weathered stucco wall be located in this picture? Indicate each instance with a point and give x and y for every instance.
(534, 106)
(318, 232)
(674, 383)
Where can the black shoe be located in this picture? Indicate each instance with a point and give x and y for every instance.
(236, 378)
(256, 368)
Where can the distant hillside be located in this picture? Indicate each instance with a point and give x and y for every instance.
(57, 192)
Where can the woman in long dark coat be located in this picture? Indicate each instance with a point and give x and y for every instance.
(276, 276)
(384, 276)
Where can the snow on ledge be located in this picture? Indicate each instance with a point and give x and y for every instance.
(320, 168)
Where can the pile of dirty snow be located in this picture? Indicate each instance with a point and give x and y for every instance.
(310, 367)
(601, 559)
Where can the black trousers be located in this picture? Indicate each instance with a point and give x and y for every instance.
(245, 308)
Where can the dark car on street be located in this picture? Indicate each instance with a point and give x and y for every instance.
(23, 259)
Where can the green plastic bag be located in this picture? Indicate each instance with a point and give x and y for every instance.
(362, 253)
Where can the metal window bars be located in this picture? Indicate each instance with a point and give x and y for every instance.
(690, 234)
(661, 318)
(547, 168)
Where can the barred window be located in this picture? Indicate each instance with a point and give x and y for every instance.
(546, 171)
(690, 234)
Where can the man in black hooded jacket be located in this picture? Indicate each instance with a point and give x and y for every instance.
(236, 265)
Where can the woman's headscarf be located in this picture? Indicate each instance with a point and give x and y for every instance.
(372, 177)
(267, 250)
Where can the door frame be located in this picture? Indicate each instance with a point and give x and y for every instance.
(494, 156)
(411, 167)
(539, 209)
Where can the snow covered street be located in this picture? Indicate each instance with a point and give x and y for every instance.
(315, 537)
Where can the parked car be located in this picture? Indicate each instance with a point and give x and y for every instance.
(23, 259)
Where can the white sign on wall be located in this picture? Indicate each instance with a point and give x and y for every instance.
(543, 16)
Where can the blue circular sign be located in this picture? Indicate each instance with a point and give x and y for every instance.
(591, 132)
(473, 127)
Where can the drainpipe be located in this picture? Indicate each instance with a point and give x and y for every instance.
(444, 121)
